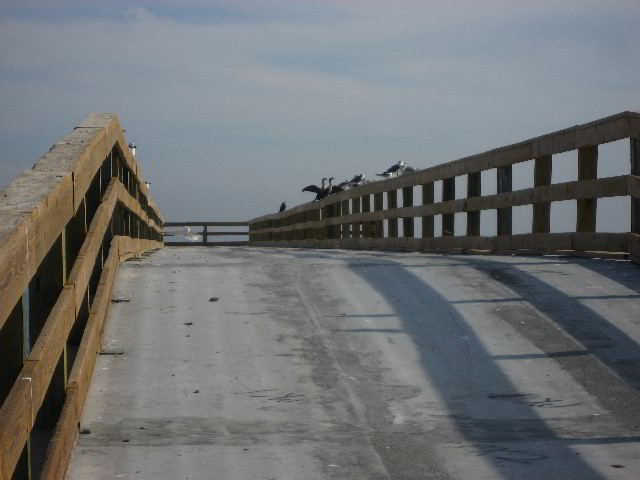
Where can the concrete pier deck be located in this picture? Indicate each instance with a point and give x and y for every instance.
(249, 363)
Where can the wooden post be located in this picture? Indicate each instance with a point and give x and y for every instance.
(344, 211)
(330, 228)
(204, 235)
(304, 217)
(355, 208)
(114, 162)
(474, 189)
(14, 349)
(427, 199)
(587, 169)
(265, 237)
(542, 210)
(335, 212)
(323, 231)
(304, 233)
(378, 206)
(407, 222)
(635, 170)
(284, 222)
(290, 220)
(504, 186)
(313, 216)
(300, 218)
(92, 197)
(75, 232)
(392, 202)
(367, 227)
(448, 193)
(105, 175)
(44, 289)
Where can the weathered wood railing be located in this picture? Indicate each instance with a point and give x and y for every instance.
(346, 219)
(64, 227)
(205, 233)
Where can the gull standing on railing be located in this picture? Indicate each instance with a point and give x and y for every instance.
(334, 188)
(397, 168)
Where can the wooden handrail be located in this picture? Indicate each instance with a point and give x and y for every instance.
(65, 225)
(346, 219)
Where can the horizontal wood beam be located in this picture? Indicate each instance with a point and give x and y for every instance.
(209, 234)
(230, 243)
(534, 243)
(208, 224)
(595, 188)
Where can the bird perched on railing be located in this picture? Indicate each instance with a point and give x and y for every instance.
(191, 236)
(283, 207)
(334, 188)
(385, 174)
(132, 147)
(407, 169)
(320, 192)
(357, 180)
(397, 169)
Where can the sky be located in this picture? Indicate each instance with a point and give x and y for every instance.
(236, 105)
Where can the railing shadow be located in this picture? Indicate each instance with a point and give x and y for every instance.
(601, 338)
(504, 426)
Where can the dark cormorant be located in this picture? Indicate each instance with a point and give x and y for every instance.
(320, 192)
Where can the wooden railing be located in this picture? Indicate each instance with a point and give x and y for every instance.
(64, 227)
(205, 233)
(347, 219)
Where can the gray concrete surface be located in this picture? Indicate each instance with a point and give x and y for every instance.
(337, 364)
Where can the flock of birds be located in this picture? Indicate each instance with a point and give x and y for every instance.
(326, 189)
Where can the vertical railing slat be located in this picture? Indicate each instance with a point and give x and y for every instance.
(378, 206)
(504, 185)
(355, 226)
(635, 170)
(367, 227)
(448, 193)
(407, 222)
(427, 199)
(392, 203)
(542, 210)
(586, 207)
(474, 189)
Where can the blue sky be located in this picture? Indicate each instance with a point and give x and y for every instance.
(235, 106)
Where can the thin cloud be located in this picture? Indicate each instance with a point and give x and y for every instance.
(250, 103)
